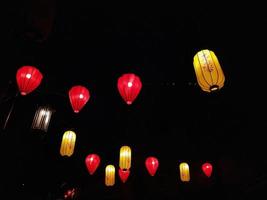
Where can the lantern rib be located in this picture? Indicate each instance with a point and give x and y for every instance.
(24, 83)
(208, 64)
(29, 82)
(216, 68)
(63, 145)
(202, 72)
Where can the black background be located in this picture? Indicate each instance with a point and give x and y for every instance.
(171, 119)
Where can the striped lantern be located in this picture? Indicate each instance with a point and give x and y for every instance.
(125, 158)
(28, 79)
(110, 175)
(184, 172)
(129, 86)
(68, 143)
(42, 118)
(208, 71)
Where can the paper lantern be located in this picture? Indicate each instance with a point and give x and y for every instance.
(68, 143)
(129, 86)
(110, 175)
(92, 162)
(78, 95)
(124, 174)
(184, 172)
(42, 118)
(208, 71)
(207, 169)
(152, 164)
(28, 79)
(125, 157)
(70, 193)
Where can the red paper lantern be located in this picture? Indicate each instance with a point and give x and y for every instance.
(92, 161)
(129, 86)
(79, 95)
(28, 79)
(207, 169)
(152, 164)
(124, 174)
(70, 193)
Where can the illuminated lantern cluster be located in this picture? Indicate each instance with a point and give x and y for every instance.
(210, 78)
(42, 118)
(208, 71)
(92, 162)
(129, 86)
(110, 175)
(28, 79)
(78, 95)
(68, 143)
(152, 164)
(125, 163)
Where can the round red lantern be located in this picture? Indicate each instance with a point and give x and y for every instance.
(78, 95)
(124, 174)
(28, 79)
(207, 169)
(92, 162)
(129, 86)
(152, 164)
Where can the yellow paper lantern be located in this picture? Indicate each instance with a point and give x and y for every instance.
(110, 175)
(42, 118)
(68, 143)
(125, 158)
(208, 71)
(184, 172)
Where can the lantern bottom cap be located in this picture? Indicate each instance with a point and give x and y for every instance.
(214, 88)
(23, 93)
(129, 102)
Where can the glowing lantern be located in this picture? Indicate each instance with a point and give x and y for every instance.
(129, 86)
(152, 164)
(124, 174)
(92, 161)
(184, 172)
(68, 143)
(70, 193)
(207, 169)
(110, 175)
(28, 79)
(125, 157)
(208, 71)
(42, 118)
(78, 95)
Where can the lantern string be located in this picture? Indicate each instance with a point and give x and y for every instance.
(10, 110)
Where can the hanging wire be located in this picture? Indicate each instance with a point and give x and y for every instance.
(10, 110)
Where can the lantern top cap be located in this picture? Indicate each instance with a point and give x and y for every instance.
(125, 146)
(69, 131)
(204, 50)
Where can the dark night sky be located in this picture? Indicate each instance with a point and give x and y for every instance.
(171, 118)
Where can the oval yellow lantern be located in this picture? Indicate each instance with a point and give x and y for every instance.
(110, 175)
(125, 158)
(208, 71)
(68, 143)
(184, 172)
